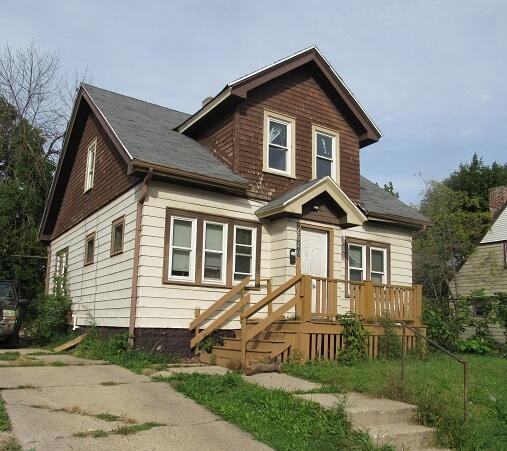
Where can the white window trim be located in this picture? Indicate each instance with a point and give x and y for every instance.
(384, 274)
(193, 250)
(90, 166)
(335, 169)
(223, 252)
(253, 261)
(291, 140)
(363, 268)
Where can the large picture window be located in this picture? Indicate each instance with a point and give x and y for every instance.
(209, 250)
(368, 261)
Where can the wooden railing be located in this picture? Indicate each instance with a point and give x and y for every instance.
(365, 299)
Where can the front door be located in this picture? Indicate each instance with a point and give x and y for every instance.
(314, 256)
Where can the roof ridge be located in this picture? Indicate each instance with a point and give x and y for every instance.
(134, 98)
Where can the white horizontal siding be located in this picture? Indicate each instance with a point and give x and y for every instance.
(498, 230)
(101, 291)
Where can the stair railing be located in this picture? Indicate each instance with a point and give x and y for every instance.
(227, 315)
(248, 333)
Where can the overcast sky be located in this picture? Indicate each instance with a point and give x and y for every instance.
(431, 74)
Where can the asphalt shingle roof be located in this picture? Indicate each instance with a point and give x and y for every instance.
(146, 130)
(282, 198)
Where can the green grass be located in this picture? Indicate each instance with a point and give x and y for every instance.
(108, 417)
(274, 417)
(5, 424)
(114, 350)
(120, 430)
(9, 355)
(12, 445)
(436, 387)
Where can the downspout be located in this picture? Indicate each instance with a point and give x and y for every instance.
(137, 251)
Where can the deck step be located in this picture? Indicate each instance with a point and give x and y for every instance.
(254, 345)
(403, 436)
(235, 354)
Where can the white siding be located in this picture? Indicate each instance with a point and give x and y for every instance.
(100, 291)
(498, 231)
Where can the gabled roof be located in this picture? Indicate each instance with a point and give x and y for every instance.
(293, 200)
(498, 229)
(312, 55)
(146, 132)
(378, 203)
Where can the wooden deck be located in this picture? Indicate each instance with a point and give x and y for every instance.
(314, 330)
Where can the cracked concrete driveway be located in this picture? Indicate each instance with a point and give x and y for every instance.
(63, 401)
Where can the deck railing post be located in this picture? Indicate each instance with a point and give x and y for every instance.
(403, 351)
(369, 300)
(418, 305)
(306, 298)
(197, 313)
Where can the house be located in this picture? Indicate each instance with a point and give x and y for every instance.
(175, 226)
(486, 268)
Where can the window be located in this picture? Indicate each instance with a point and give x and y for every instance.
(117, 231)
(279, 144)
(325, 160)
(182, 248)
(209, 250)
(90, 165)
(378, 260)
(89, 249)
(61, 264)
(215, 242)
(357, 262)
(244, 252)
(368, 261)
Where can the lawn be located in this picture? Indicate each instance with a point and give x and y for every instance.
(274, 417)
(436, 387)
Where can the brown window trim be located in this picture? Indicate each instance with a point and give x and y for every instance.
(116, 222)
(198, 280)
(369, 245)
(88, 238)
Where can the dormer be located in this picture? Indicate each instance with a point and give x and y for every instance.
(286, 124)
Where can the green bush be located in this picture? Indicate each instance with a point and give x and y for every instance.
(356, 341)
(52, 316)
(389, 344)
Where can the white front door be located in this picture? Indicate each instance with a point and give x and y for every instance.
(314, 250)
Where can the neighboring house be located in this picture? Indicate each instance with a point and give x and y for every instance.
(486, 268)
(154, 213)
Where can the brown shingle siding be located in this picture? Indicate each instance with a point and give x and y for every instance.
(110, 178)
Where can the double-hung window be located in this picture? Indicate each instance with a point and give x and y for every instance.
(244, 252)
(357, 262)
(90, 165)
(117, 231)
(325, 155)
(279, 144)
(182, 248)
(378, 265)
(215, 252)
(89, 256)
(368, 261)
(61, 265)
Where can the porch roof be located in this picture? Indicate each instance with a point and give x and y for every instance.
(293, 200)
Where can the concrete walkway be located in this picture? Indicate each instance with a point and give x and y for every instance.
(49, 405)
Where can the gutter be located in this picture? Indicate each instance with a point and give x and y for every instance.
(137, 251)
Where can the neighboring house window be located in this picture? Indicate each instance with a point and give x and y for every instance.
(182, 248)
(117, 232)
(368, 261)
(279, 144)
(357, 262)
(210, 250)
(215, 252)
(89, 249)
(61, 264)
(90, 165)
(325, 155)
(244, 252)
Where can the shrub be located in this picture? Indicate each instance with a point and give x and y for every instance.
(355, 340)
(52, 315)
(389, 344)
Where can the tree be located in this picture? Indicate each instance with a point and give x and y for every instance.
(476, 178)
(390, 189)
(442, 248)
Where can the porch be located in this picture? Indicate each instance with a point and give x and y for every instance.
(300, 319)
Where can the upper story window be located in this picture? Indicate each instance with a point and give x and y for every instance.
(279, 132)
(90, 165)
(325, 155)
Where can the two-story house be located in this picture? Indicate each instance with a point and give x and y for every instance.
(252, 209)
